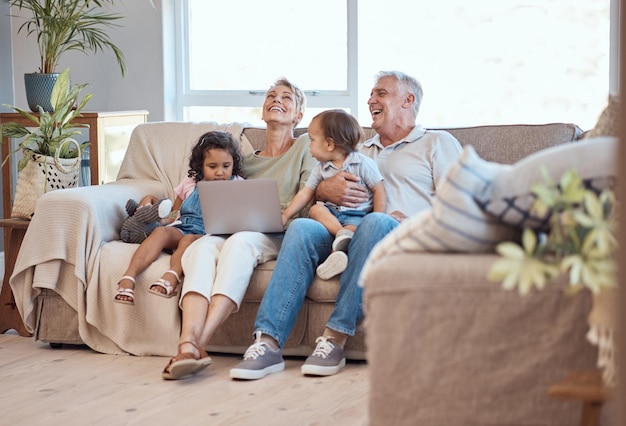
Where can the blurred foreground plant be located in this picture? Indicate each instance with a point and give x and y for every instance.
(581, 241)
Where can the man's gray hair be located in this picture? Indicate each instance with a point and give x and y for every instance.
(412, 83)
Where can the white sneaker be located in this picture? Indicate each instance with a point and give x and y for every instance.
(334, 264)
(342, 240)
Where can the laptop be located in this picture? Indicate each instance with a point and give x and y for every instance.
(230, 206)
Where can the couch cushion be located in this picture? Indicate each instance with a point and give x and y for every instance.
(608, 122)
(507, 144)
(509, 198)
(497, 143)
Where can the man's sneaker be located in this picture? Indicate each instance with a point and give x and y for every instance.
(258, 361)
(342, 240)
(327, 359)
(334, 264)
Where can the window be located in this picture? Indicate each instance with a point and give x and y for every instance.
(233, 57)
(482, 62)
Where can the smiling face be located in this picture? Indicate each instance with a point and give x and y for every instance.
(390, 104)
(280, 106)
(217, 164)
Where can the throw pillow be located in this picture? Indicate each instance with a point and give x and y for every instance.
(608, 122)
(509, 199)
(455, 222)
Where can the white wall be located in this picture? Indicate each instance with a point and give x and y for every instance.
(6, 70)
(139, 37)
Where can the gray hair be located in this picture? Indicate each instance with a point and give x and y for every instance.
(412, 84)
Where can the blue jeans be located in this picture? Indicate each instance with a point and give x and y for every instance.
(306, 244)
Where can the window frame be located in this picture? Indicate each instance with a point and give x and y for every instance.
(252, 97)
(176, 97)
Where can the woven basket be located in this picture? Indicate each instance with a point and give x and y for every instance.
(43, 174)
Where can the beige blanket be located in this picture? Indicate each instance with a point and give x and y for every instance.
(602, 332)
(73, 230)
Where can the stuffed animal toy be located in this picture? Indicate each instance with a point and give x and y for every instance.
(142, 221)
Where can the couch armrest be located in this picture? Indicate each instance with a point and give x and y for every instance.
(439, 333)
(71, 224)
(100, 207)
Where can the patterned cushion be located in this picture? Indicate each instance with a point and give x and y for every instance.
(509, 199)
(454, 223)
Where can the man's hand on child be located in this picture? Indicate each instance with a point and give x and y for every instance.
(343, 189)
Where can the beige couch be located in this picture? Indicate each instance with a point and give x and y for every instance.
(448, 347)
(64, 291)
(65, 296)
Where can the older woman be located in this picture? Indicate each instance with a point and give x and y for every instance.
(213, 290)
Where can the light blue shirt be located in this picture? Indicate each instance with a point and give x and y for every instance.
(357, 164)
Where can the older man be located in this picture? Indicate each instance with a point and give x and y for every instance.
(411, 160)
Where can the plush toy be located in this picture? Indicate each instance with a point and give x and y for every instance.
(142, 221)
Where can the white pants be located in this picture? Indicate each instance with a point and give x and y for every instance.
(217, 265)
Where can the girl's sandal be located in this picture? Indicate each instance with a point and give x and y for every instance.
(123, 291)
(166, 285)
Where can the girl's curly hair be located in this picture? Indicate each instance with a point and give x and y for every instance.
(214, 140)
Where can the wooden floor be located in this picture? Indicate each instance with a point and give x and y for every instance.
(74, 385)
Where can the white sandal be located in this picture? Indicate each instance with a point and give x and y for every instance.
(123, 291)
(166, 285)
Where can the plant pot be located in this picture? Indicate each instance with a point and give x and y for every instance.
(38, 90)
(43, 174)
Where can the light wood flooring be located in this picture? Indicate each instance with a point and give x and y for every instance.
(74, 385)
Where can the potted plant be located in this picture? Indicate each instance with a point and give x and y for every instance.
(51, 157)
(61, 26)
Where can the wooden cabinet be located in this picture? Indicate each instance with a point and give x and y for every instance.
(108, 134)
(14, 230)
(101, 128)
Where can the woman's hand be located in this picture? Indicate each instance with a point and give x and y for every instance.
(342, 189)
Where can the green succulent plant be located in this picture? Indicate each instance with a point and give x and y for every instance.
(581, 241)
(50, 129)
(63, 25)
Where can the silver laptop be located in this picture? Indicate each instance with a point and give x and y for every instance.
(240, 205)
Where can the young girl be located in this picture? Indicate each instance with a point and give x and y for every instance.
(216, 156)
(334, 136)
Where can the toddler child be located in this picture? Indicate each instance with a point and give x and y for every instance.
(335, 135)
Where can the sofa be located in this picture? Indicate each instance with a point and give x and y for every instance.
(71, 258)
(445, 344)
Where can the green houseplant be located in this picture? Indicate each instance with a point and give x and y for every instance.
(49, 148)
(60, 26)
(581, 241)
(51, 128)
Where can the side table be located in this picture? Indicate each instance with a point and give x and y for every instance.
(14, 230)
(585, 386)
